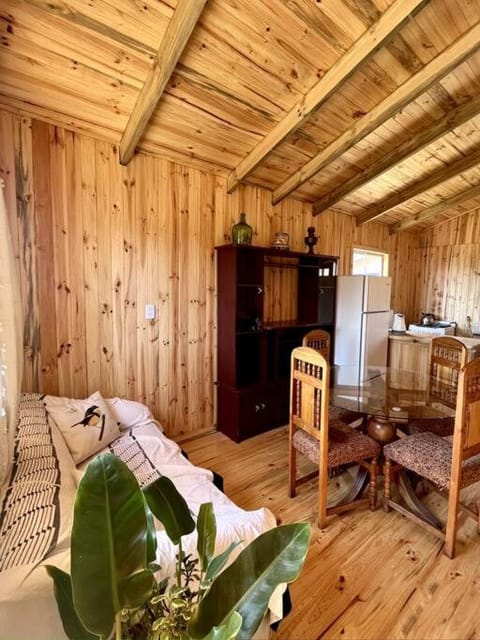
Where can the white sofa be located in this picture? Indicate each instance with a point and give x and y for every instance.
(37, 505)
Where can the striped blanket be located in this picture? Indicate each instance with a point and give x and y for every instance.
(30, 510)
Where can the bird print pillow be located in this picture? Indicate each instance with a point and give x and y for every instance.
(87, 425)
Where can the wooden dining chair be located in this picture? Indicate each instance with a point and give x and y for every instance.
(449, 466)
(447, 357)
(319, 340)
(327, 443)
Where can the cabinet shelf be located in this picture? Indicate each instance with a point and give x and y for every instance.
(254, 363)
(279, 253)
(252, 332)
(290, 265)
(289, 324)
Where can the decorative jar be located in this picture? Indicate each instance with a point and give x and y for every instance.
(280, 241)
(241, 231)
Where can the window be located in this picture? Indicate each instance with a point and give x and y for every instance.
(369, 263)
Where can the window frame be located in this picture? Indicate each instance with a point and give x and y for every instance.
(378, 252)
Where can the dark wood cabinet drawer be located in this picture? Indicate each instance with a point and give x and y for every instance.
(257, 408)
(242, 414)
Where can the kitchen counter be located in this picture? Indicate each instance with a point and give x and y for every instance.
(412, 351)
(470, 343)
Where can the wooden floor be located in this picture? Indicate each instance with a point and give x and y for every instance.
(367, 575)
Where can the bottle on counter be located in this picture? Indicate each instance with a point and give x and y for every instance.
(469, 330)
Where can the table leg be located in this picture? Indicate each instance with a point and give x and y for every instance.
(383, 431)
(360, 483)
(410, 497)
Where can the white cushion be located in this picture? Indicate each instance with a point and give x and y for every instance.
(86, 425)
(129, 413)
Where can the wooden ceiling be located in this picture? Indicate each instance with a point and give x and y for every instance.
(368, 107)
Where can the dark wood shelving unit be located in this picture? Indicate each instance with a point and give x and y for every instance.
(253, 358)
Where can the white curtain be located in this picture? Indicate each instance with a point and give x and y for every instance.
(11, 341)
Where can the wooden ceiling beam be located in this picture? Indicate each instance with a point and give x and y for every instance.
(399, 154)
(454, 201)
(417, 84)
(70, 13)
(430, 182)
(177, 34)
(385, 28)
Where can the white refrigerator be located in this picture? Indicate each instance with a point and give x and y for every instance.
(362, 320)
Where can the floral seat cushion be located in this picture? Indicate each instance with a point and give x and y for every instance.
(345, 445)
(429, 455)
(443, 427)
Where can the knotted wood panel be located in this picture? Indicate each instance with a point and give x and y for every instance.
(96, 241)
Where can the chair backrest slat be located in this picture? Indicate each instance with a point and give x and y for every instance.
(467, 418)
(309, 390)
(471, 418)
(447, 357)
(318, 340)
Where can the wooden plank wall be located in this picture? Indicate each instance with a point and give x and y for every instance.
(96, 241)
(448, 265)
(338, 234)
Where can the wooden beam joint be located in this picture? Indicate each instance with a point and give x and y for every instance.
(173, 43)
(389, 23)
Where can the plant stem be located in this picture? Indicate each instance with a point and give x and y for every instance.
(179, 564)
(118, 626)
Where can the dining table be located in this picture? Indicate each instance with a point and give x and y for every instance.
(390, 397)
(387, 398)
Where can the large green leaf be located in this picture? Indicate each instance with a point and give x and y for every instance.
(136, 588)
(62, 588)
(273, 558)
(151, 534)
(109, 543)
(216, 564)
(207, 532)
(228, 631)
(170, 508)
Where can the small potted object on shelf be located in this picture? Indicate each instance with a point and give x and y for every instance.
(280, 241)
(311, 239)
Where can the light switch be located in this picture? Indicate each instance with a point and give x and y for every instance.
(149, 312)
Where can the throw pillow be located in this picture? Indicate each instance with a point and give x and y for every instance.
(129, 413)
(86, 425)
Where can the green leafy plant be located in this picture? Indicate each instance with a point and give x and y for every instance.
(112, 591)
